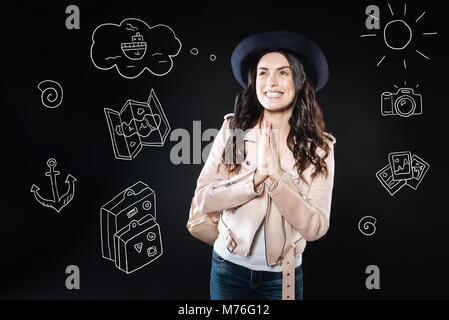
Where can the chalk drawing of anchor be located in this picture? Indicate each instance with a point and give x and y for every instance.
(57, 202)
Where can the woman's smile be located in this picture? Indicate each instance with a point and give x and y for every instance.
(273, 94)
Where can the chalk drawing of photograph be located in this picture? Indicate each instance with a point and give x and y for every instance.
(419, 168)
(138, 124)
(132, 47)
(403, 169)
(56, 201)
(130, 235)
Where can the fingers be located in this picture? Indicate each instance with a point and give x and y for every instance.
(268, 132)
(261, 156)
(268, 157)
(263, 149)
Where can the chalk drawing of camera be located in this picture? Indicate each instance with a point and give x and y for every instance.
(405, 103)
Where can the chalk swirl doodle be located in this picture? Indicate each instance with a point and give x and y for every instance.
(367, 225)
(51, 93)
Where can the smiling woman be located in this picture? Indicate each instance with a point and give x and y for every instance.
(286, 99)
(279, 196)
(275, 89)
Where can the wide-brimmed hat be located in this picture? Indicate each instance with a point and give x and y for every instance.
(311, 57)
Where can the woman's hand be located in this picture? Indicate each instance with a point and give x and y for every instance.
(268, 159)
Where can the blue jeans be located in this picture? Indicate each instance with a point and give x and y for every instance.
(230, 281)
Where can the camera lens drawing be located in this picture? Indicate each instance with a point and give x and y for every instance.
(404, 102)
(398, 34)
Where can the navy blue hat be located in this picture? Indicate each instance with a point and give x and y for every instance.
(311, 57)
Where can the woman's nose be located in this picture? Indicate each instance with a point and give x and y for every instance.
(273, 80)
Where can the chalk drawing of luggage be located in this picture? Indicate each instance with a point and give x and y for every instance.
(138, 244)
(133, 203)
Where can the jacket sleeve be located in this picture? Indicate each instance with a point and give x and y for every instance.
(310, 213)
(214, 191)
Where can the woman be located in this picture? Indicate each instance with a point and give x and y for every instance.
(270, 170)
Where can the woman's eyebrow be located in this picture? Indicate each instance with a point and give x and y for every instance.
(264, 68)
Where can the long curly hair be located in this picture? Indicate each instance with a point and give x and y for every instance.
(307, 128)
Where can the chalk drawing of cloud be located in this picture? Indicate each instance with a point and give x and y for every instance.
(133, 47)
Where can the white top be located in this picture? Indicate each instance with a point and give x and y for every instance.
(256, 259)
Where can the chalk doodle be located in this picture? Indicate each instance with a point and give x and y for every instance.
(403, 169)
(57, 202)
(138, 124)
(367, 225)
(51, 93)
(130, 235)
(133, 46)
(195, 52)
(404, 103)
(397, 33)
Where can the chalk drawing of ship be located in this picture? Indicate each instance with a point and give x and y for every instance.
(136, 49)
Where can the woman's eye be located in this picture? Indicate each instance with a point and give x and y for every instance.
(262, 73)
(284, 73)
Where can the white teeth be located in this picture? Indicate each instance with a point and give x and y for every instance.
(273, 94)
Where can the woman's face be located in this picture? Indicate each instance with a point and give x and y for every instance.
(274, 82)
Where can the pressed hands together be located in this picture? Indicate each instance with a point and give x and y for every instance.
(268, 157)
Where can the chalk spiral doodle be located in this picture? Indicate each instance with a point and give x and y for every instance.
(194, 51)
(51, 93)
(367, 225)
(212, 57)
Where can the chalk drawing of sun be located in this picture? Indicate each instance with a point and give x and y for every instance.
(398, 33)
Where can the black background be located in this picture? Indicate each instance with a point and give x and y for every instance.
(410, 245)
